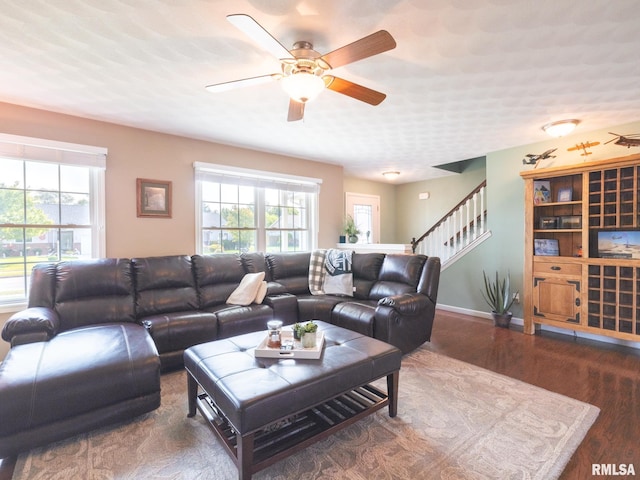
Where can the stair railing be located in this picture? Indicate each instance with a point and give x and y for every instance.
(456, 230)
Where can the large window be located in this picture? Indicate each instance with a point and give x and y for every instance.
(51, 208)
(243, 210)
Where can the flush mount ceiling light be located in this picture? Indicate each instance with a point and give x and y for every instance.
(561, 127)
(391, 175)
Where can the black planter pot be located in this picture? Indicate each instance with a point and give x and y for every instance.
(502, 320)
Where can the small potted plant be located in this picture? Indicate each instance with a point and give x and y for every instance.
(351, 229)
(499, 297)
(306, 332)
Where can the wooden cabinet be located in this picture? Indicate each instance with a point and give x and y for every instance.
(556, 291)
(572, 281)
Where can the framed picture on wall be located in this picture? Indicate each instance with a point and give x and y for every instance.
(153, 198)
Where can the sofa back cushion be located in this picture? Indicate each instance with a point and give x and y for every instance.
(430, 278)
(94, 291)
(255, 262)
(289, 272)
(42, 287)
(398, 274)
(366, 268)
(164, 284)
(217, 276)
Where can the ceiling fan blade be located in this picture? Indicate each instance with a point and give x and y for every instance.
(354, 90)
(368, 46)
(258, 34)
(245, 82)
(296, 111)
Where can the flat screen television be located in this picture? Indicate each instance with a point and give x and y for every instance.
(618, 244)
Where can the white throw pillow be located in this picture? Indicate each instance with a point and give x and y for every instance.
(246, 292)
(262, 292)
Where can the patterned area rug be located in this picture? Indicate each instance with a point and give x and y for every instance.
(455, 421)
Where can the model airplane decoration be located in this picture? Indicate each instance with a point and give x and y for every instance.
(531, 159)
(628, 141)
(303, 65)
(583, 147)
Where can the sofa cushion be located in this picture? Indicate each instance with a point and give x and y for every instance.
(398, 274)
(164, 284)
(358, 316)
(176, 331)
(366, 268)
(262, 292)
(289, 272)
(236, 320)
(216, 277)
(43, 285)
(94, 291)
(87, 369)
(246, 292)
(255, 262)
(317, 307)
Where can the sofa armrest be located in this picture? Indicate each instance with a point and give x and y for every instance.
(404, 320)
(34, 324)
(284, 306)
(406, 303)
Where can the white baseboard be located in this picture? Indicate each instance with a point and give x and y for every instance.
(561, 331)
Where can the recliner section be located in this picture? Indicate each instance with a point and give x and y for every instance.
(77, 361)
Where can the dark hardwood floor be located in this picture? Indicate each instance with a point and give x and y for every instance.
(601, 374)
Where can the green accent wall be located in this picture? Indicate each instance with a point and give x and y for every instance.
(504, 250)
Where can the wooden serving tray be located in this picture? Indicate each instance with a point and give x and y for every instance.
(298, 351)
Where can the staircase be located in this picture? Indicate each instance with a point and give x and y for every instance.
(459, 231)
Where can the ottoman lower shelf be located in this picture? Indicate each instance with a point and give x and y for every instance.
(296, 432)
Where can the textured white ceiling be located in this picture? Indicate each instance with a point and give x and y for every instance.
(468, 77)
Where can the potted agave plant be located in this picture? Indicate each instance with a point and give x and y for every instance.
(499, 297)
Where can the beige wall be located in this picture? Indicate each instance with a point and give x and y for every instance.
(135, 153)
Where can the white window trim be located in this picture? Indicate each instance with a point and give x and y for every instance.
(258, 178)
(64, 153)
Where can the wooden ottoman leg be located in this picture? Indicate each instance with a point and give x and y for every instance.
(192, 392)
(392, 392)
(244, 451)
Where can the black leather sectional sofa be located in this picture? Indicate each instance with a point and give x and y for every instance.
(89, 349)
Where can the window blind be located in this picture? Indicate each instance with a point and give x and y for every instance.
(255, 178)
(41, 150)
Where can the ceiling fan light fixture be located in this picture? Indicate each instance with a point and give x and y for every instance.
(561, 127)
(302, 86)
(391, 175)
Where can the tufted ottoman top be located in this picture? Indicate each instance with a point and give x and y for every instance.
(253, 392)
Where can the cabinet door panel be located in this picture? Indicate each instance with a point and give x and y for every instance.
(556, 298)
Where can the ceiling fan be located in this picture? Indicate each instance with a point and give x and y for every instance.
(304, 71)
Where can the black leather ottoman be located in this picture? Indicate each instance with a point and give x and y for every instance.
(240, 394)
